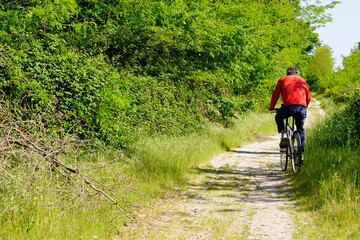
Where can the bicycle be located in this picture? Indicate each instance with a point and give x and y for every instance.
(293, 147)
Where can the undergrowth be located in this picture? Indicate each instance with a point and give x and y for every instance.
(329, 185)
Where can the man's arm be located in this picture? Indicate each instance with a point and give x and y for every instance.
(308, 97)
(275, 96)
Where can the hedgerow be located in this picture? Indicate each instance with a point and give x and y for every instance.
(119, 70)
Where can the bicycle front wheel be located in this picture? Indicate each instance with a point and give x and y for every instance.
(297, 153)
(284, 155)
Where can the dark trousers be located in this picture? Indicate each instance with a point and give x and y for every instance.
(298, 112)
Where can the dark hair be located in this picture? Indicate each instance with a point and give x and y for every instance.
(292, 70)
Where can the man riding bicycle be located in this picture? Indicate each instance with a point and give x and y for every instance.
(296, 97)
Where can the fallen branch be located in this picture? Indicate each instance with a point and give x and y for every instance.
(33, 141)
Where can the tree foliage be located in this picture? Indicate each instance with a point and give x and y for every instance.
(122, 68)
(320, 68)
(348, 77)
(339, 83)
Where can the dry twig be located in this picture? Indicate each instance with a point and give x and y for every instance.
(35, 140)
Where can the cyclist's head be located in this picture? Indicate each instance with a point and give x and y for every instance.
(292, 70)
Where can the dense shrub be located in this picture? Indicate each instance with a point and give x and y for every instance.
(122, 69)
(82, 91)
(343, 128)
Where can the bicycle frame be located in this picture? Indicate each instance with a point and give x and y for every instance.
(293, 145)
(293, 149)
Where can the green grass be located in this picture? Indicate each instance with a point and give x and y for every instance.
(163, 161)
(329, 185)
(169, 158)
(327, 103)
(36, 203)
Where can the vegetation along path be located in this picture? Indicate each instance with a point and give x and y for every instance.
(241, 194)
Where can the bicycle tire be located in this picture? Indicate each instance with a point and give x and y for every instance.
(284, 156)
(297, 153)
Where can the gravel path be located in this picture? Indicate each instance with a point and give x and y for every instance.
(241, 194)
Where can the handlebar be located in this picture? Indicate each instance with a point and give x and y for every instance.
(274, 110)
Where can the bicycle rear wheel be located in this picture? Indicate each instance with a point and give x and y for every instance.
(297, 153)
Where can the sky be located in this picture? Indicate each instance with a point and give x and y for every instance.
(343, 33)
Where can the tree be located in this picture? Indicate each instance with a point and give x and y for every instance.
(351, 65)
(320, 68)
(347, 79)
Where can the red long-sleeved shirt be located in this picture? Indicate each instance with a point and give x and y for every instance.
(293, 90)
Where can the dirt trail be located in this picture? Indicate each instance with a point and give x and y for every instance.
(241, 194)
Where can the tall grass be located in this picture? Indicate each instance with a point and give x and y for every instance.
(330, 182)
(36, 203)
(167, 160)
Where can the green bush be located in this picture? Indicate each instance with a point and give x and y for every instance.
(119, 70)
(48, 79)
(329, 183)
